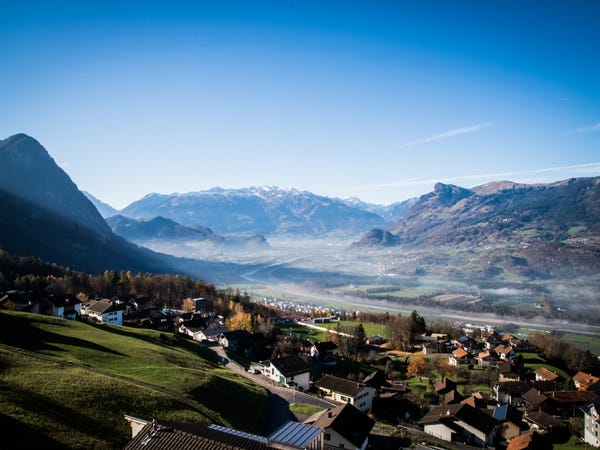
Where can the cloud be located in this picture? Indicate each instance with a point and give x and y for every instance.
(587, 129)
(448, 134)
(523, 176)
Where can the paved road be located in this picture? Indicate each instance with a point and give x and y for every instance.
(280, 398)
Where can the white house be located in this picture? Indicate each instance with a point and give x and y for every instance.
(63, 306)
(591, 412)
(342, 390)
(343, 427)
(105, 311)
(291, 371)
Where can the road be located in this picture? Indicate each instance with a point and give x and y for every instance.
(265, 276)
(280, 398)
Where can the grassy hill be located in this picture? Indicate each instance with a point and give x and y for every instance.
(65, 384)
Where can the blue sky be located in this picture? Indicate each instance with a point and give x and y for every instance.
(377, 100)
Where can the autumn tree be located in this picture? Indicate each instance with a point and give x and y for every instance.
(239, 321)
(416, 367)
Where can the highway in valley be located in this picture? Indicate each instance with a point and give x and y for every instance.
(267, 276)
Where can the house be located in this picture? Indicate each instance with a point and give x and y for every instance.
(509, 371)
(211, 333)
(511, 420)
(64, 306)
(291, 371)
(545, 423)
(530, 440)
(445, 385)
(377, 381)
(544, 374)
(430, 348)
(520, 345)
(376, 340)
(198, 304)
(465, 342)
(534, 399)
(20, 301)
(460, 423)
(458, 356)
(585, 381)
(452, 397)
(342, 390)
(344, 427)
(476, 400)
(324, 352)
(237, 341)
(492, 340)
(591, 415)
(511, 392)
(504, 352)
(567, 403)
(104, 311)
(487, 359)
(163, 435)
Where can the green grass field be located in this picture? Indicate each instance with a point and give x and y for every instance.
(72, 382)
(371, 329)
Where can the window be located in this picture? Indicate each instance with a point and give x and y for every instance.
(327, 436)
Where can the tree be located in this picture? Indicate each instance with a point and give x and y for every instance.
(416, 367)
(239, 321)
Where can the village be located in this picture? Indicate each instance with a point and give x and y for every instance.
(482, 388)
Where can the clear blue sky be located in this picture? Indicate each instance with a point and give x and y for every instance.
(373, 99)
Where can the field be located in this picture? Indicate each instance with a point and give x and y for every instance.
(70, 383)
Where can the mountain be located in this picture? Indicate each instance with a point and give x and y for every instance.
(45, 215)
(389, 213)
(161, 234)
(104, 209)
(544, 227)
(258, 211)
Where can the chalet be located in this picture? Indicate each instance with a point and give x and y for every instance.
(238, 341)
(509, 371)
(585, 381)
(104, 311)
(544, 422)
(487, 359)
(465, 342)
(199, 304)
(591, 414)
(568, 403)
(377, 381)
(342, 390)
(452, 397)
(326, 352)
(64, 306)
(291, 371)
(504, 352)
(476, 400)
(462, 422)
(344, 427)
(445, 385)
(20, 301)
(530, 440)
(511, 392)
(520, 345)
(534, 399)
(511, 420)
(492, 341)
(458, 357)
(544, 374)
(430, 348)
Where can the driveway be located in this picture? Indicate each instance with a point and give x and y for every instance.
(280, 398)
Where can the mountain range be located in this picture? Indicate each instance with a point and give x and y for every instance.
(536, 230)
(267, 211)
(554, 225)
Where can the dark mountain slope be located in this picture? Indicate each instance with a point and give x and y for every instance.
(43, 214)
(28, 171)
